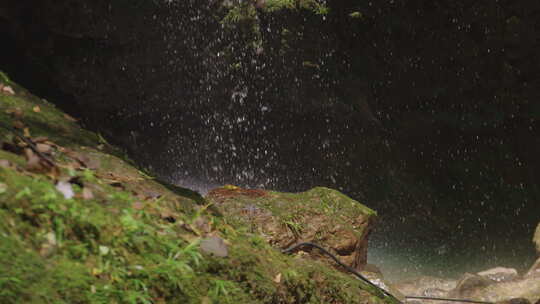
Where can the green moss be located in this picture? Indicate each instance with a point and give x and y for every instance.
(106, 250)
(4, 78)
(22, 272)
(245, 11)
(45, 120)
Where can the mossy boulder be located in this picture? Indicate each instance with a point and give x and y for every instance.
(119, 235)
(320, 215)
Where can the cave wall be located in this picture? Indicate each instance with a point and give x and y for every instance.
(418, 107)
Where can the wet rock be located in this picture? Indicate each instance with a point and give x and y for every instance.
(434, 292)
(534, 270)
(468, 285)
(515, 301)
(215, 245)
(499, 274)
(528, 288)
(321, 215)
(483, 289)
(427, 286)
(378, 280)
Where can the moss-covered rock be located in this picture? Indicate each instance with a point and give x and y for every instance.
(320, 215)
(120, 236)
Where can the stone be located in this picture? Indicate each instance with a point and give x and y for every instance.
(499, 274)
(515, 301)
(526, 288)
(534, 270)
(536, 239)
(214, 245)
(426, 285)
(321, 215)
(468, 284)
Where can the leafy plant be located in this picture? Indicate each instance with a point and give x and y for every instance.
(221, 291)
(4, 78)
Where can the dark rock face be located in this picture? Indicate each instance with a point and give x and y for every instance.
(418, 108)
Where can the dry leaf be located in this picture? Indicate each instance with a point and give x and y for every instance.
(36, 109)
(3, 188)
(84, 160)
(54, 172)
(70, 118)
(71, 165)
(167, 215)
(87, 193)
(33, 162)
(65, 188)
(277, 279)
(43, 148)
(17, 124)
(205, 300)
(202, 224)
(40, 139)
(26, 132)
(4, 163)
(8, 90)
(138, 206)
(49, 246)
(15, 112)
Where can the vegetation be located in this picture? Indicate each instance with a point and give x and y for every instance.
(119, 236)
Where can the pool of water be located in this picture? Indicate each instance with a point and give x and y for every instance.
(406, 258)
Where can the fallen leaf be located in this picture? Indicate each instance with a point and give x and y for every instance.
(71, 165)
(51, 238)
(215, 245)
(70, 118)
(104, 250)
(54, 172)
(206, 300)
(49, 246)
(33, 162)
(26, 132)
(40, 139)
(15, 112)
(43, 148)
(168, 216)
(87, 193)
(17, 124)
(187, 227)
(3, 188)
(202, 224)
(277, 279)
(4, 163)
(65, 188)
(36, 164)
(36, 109)
(138, 206)
(83, 159)
(8, 90)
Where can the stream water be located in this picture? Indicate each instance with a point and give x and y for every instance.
(403, 257)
